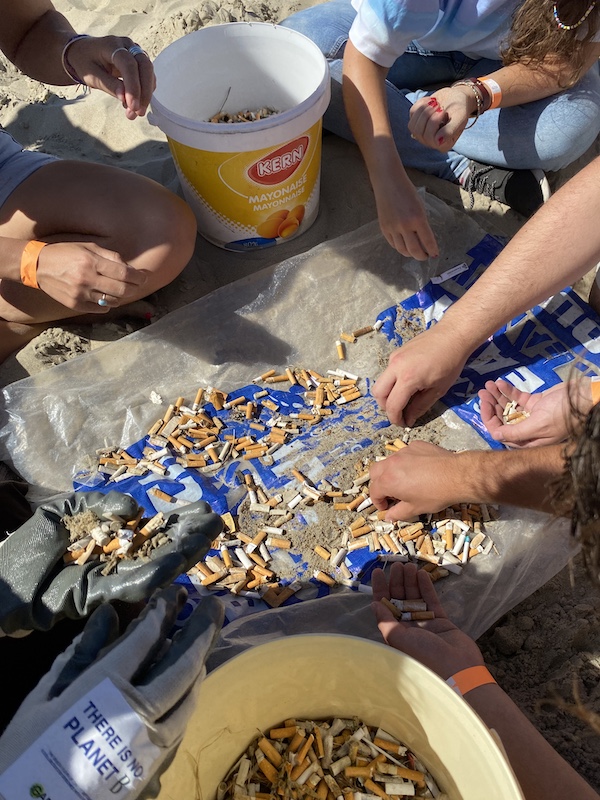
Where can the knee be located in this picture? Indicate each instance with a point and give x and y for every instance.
(573, 129)
(167, 241)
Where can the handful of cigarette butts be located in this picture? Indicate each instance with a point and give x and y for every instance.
(112, 538)
(513, 414)
(333, 759)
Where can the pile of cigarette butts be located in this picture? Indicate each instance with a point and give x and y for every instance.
(244, 116)
(242, 563)
(444, 542)
(113, 538)
(334, 759)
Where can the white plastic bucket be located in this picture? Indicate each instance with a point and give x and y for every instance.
(244, 180)
(320, 676)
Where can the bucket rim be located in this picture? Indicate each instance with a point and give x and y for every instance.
(255, 126)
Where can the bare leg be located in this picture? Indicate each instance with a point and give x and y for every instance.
(147, 225)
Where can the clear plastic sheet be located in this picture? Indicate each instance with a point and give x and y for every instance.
(288, 314)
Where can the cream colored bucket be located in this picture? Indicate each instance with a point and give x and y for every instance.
(251, 184)
(318, 676)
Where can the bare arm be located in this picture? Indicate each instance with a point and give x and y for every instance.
(402, 216)
(442, 647)
(555, 248)
(424, 478)
(33, 35)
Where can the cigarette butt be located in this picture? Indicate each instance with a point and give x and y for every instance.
(362, 331)
(321, 551)
(213, 578)
(282, 733)
(341, 353)
(297, 741)
(358, 772)
(299, 769)
(375, 789)
(415, 616)
(114, 544)
(362, 530)
(162, 495)
(267, 374)
(271, 753)
(268, 770)
(348, 337)
(323, 577)
(388, 746)
(303, 751)
(319, 741)
(291, 377)
(384, 601)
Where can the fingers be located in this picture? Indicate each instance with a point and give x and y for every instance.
(86, 277)
(419, 403)
(101, 629)
(137, 80)
(382, 391)
(429, 594)
(427, 117)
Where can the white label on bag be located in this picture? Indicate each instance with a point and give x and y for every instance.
(98, 749)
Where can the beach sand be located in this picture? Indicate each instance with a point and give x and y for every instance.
(545, 642)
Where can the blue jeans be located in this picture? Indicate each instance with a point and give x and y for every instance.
(544, 134)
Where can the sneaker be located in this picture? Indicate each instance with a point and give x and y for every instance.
(524, 190)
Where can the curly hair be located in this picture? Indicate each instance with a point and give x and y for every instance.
(577, 492)
(536, 38)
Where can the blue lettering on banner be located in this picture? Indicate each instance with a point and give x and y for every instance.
(536, 350)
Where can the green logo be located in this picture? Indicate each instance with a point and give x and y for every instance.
(37, 790)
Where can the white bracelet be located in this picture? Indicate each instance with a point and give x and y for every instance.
(65, 61)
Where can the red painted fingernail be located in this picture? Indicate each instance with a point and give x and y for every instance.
(441, 140)
(148, 315)
(432, 102)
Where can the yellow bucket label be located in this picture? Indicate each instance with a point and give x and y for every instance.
(253, 199)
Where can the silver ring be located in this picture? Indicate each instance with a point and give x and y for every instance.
(102, 301)
(136, 50)
(117, 50)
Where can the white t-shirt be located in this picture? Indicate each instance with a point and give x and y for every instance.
(383, 29)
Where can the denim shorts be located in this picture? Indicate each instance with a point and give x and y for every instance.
(16, 164)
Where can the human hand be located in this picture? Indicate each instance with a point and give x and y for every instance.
(439, 120)
(37, 588)
(437, 643)
(418, 373)
(403, 218)
(131, 697)
(78, 274)
(550, 414)
(105, 62)
(420, 478)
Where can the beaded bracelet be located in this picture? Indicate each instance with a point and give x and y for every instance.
(471, 678)
(478, 91)
(65, 61)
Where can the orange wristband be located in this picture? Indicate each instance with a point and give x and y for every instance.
(29, 263)
(470, 678)
(595, 390)
(494, 90)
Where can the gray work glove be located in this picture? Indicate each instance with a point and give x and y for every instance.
(37, 588)
(134, 694)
